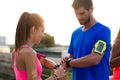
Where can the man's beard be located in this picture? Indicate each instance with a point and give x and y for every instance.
(86, 22)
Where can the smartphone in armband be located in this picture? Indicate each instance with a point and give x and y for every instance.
(100, 47)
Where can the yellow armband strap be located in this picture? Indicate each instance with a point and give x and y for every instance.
(100, 47)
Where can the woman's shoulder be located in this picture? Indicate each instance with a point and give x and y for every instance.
(28, 53)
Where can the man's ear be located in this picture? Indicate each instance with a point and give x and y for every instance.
(91, 9)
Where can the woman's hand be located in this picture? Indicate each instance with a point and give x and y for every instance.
(60, 72)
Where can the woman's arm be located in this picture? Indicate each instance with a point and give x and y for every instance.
(45, 61)
(30, 63)
(59, 73)
(115, 54)
(48, 63)
(115, 62)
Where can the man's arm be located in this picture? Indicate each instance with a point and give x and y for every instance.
(92, 59)
(89, 60)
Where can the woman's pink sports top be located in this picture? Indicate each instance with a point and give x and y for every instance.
(22, 74)
(116, 73)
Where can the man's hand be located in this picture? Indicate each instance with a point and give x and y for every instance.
(63, 60)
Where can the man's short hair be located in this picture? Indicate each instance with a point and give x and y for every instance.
(82, 3)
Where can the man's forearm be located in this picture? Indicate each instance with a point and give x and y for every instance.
(89, 60)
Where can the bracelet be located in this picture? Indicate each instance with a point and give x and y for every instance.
(55, 77)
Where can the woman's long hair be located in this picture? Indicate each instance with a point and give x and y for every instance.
(26, 22)
(118, 36)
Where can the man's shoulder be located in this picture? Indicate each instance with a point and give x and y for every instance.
(103, 26)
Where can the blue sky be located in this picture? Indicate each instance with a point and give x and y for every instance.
(59, 17)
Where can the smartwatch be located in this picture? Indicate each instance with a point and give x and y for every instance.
(67, 62)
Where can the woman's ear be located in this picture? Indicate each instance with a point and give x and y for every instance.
(33, 30)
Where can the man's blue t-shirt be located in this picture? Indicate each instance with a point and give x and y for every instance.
(82, 43)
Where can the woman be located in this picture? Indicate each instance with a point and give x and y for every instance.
(115, 58)
(26, 65)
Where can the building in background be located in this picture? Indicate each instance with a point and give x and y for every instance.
(54, 53)
(2, 40)
(4, 48)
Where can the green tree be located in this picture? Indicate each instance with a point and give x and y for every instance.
(47, 41)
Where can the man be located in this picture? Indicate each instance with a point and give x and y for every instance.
(90, 45)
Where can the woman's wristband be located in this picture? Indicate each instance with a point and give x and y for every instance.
(56, 66)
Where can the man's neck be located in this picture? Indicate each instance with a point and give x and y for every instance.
(89, 25)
